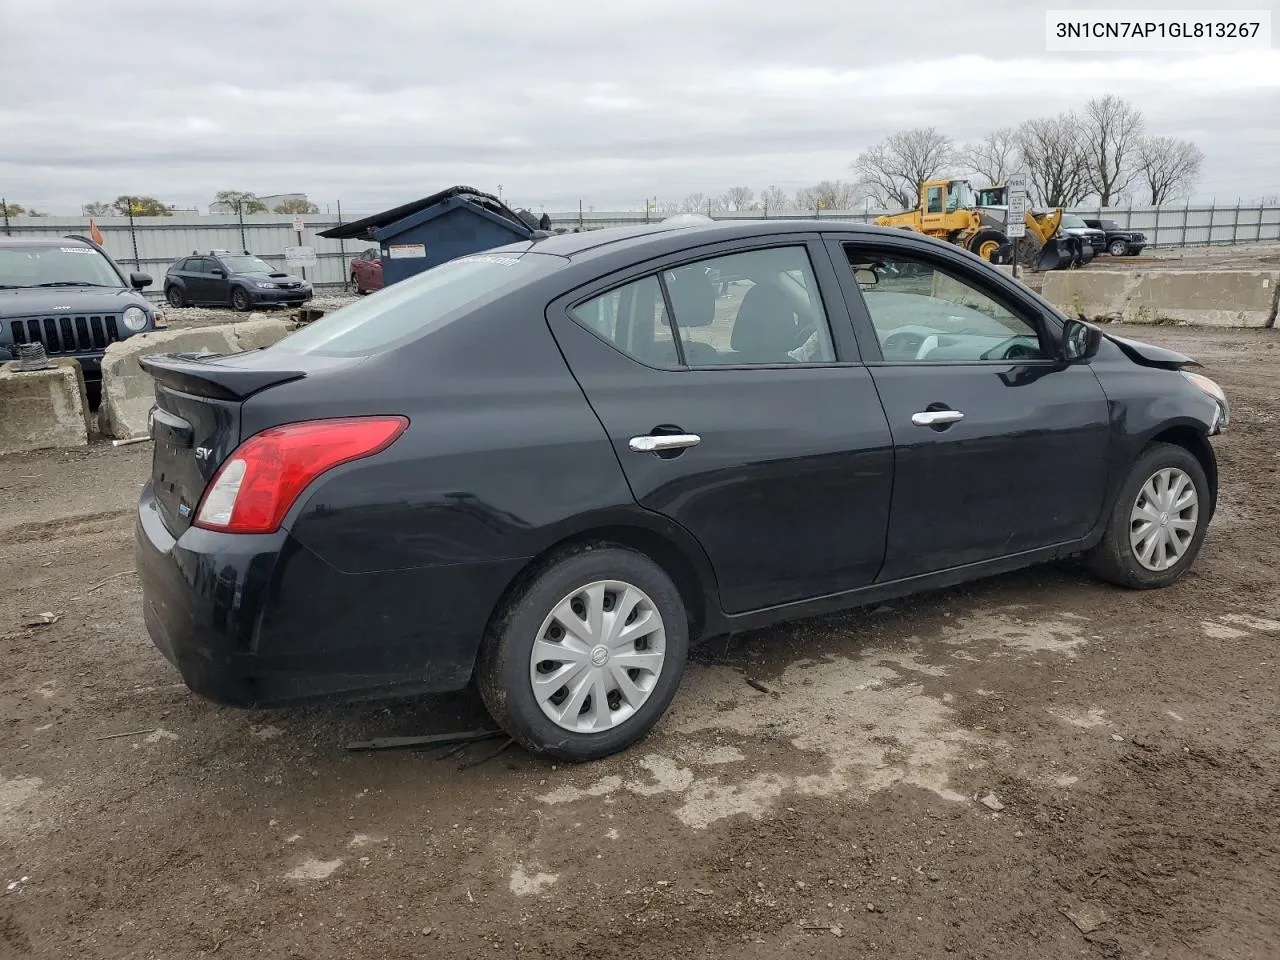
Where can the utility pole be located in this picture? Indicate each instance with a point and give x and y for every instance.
(137, 263)
(5, 204)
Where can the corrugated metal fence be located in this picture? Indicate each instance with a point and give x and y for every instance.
(1166, 226)
(150, 244)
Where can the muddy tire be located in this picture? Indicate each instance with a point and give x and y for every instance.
(1157, 522)
(1029, 247)
(585, 657)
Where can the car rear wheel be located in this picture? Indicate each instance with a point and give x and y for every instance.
(1118, 248)
(239, 299)
(175, 297)
(583, 661)
(1157, 522)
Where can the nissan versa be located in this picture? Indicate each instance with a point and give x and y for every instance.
(553, 465)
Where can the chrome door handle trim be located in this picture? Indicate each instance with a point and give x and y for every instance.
(931, 418)
(653, 444)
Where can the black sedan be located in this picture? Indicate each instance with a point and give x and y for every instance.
(237, 280)
(551, 466)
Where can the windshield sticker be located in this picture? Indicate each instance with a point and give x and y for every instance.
(75, 250)
(502, 261)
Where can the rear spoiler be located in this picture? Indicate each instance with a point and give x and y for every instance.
(202, 376)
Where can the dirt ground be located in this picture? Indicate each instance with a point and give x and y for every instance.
(1036, 766)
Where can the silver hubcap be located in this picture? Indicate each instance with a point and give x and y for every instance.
(1164, 519)
(598, 656)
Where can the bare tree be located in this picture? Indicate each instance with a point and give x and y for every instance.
(893, 170)
(775, 199)
(1051, 152)
(738, 198)
(831, 195)
(668, 207)
(1111, 137)
(140, 206)
(694, 203)
(98, 208)
(993, 157)
(240, 201)
(295, 205)
(1168, 166)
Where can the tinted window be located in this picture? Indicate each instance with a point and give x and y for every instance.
(922, 313)
(934, 197)
(634, 319)
(760, 307)
(420, 304)
(72, 265)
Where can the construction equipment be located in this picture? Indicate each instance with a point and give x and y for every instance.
(950, 210)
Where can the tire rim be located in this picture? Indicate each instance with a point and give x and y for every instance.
(1117, 249)
(1164, 518)
(175, 298)
(987, 249)
(598, 656)
(239, 300)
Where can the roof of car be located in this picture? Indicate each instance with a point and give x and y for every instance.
(44, 242)
(682, 234)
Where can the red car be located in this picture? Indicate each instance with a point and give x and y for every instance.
(366, 271)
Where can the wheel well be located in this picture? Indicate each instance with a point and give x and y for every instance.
(1197, 444)
(666, 554)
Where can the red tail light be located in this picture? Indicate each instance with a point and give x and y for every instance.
(258, 484)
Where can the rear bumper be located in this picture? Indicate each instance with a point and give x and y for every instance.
(261, 621)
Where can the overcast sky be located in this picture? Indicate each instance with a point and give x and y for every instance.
(376, 102)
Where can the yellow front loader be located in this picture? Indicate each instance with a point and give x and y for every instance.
(951, 211)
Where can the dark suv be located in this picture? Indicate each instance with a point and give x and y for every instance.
(1120, 242)
(240, 280)
(69, 295)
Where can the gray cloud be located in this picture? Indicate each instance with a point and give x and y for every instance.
(376, 102)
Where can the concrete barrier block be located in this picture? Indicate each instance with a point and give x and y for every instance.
(1223, 298)
(255, 334)
(128, 392)
(41, 409)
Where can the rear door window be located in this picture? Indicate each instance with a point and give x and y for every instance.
(420, 304)
(634, 319)
(759, 307)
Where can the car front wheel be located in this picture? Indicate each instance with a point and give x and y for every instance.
(1158, 521)
(583, 661)
(1118, 248)
(239, 299)
(175, 297)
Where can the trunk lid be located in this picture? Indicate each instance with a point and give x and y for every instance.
(195, 424)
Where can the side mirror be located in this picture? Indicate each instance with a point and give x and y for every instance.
(867, 277)
(139, 281)
(1080, 341)
(219, 272)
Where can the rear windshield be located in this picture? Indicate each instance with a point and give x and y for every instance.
(45, 266)
(247, 264)
(418, 305)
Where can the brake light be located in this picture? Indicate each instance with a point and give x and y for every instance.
(254, 489)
